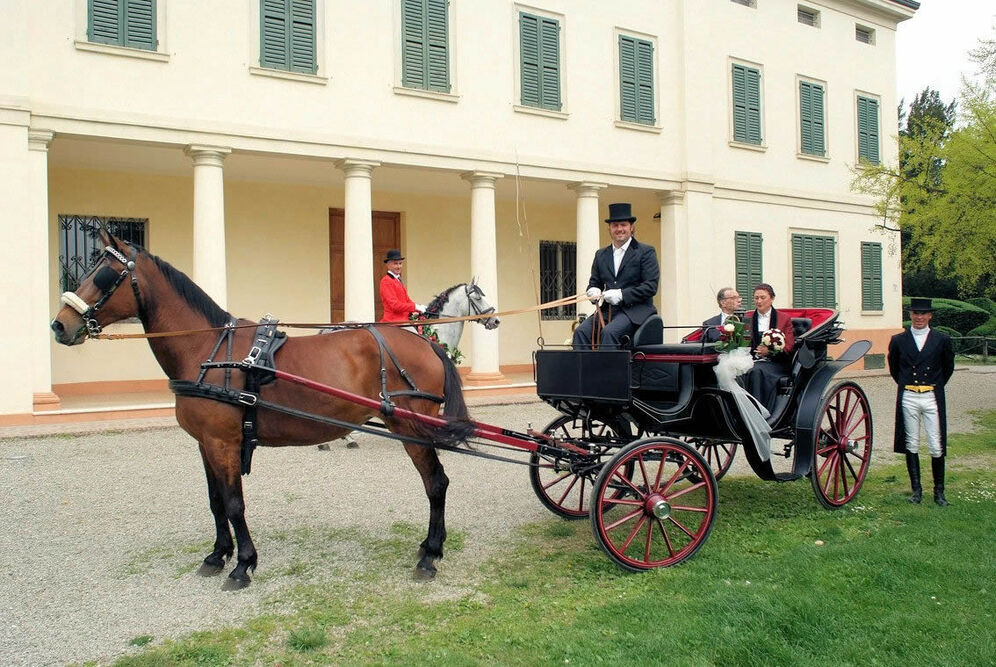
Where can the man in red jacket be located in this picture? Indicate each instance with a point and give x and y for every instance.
(393, 295)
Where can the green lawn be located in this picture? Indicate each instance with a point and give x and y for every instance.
(891, 584)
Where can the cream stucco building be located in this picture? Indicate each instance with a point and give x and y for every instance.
(272, 148)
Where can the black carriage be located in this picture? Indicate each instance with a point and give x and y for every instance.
(657, 430)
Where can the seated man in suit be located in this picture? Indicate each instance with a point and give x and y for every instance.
(730, 302)
(769, 365)
(625, 273)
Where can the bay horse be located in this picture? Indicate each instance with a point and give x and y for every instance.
(166, 300)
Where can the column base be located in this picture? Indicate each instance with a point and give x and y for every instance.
(44, 401)
(475, 379)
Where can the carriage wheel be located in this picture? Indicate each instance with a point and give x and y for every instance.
(564, 485)
(719, 455)
(843, 446)
(662, 513)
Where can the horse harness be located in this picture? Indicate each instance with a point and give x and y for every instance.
(258, 367)
(469, 289)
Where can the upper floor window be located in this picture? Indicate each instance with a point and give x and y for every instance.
(636, 80)
(287, 35)
(425, 60)
(130, 23)
(807, 16)
(539, 61)
(812, 124)
(746, 104)
(864, 35)
(868, 130)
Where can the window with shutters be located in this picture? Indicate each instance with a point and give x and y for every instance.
(129, 23)
(871, 276)
(425, 52)
(539, 62)
(813, 272)
(80, 247)
(812, 122)
(748, 261)
(745, 3)
(868, 130)
(864, 35)
(636, 80)
(807, 16)
(558, 277)
(287, 36)
(746, 83)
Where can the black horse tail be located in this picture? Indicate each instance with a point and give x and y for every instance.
(458, 426)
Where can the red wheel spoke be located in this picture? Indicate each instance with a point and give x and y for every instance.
(558, 480)
(570, 486)
(847, 462)
(624, 501)
(623, 520)
(643, 472)
(680, 527)
(615, 473)
(646, 545)
(686, 508)
(843, 475)
(819, 473)
(826, 486)
(689, 489)
(636, 529)
(667, 538)
(675, 476)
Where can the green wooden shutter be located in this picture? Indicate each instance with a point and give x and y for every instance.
(140, 24)
(438, 45)
(813, 272)
(636, 80)
(130, 23)
(287, 35)
(811, 121)
(871, 276)
(104, 24)
(746, 104)
(539, 61)
(868, 130)
(748, 261)
(425, 54)
(413, 50)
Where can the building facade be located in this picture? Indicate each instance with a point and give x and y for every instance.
(262, 145)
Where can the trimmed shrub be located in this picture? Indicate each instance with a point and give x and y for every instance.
(983, 302)
(987, 329)
(960, 316)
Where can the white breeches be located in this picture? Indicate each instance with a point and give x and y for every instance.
(921, 409)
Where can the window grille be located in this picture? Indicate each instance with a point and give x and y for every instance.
(864, 35)
(558, 277)
(80, 246)
(809, 17)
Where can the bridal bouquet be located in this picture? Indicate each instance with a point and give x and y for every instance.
(774, 340)
(733, 334)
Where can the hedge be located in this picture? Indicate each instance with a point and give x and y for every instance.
(960, 316)
(983, 302)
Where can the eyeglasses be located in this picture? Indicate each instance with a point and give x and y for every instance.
(734, 296)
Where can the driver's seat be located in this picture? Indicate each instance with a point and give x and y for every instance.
(651, 332)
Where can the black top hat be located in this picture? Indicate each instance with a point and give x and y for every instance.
(620, 213)
(919, 304)
(393, 255)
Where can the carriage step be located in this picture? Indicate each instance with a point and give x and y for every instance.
(786, 476)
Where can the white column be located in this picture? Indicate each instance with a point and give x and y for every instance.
(484, 266)
(674, 263)
(210, 265)
(42, 301)
(587, 234)
(359, 305)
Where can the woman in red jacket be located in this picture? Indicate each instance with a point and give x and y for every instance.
(393, 295)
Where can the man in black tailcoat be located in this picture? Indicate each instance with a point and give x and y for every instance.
(921, 361)
(625, 274)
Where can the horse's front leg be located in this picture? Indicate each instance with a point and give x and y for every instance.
(223, 545)
(435, 482)
(223, 457)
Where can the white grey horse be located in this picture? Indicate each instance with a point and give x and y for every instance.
(459, 301)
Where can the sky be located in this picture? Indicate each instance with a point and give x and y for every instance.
(932, 47)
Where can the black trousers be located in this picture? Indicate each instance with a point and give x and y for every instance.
(611, 335)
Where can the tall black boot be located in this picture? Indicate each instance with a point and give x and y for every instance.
(937, 467)
(913, 466)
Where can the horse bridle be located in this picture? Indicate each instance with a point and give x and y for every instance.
(471, 288)
(89, 313)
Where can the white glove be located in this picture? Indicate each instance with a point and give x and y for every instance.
(613, 296)
(419, 307)
(593, 293)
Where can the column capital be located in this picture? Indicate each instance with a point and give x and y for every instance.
(481, 179)
(356, 167)
(671, 197)
(587, 188)
(202, 154)
(40, 140)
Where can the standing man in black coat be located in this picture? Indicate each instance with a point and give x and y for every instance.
(921, 361)
(625, 274)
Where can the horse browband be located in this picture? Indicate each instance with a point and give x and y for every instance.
(89, 313)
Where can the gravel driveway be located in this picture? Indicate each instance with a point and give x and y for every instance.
(100, 531)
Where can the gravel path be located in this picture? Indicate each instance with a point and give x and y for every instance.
(100, 531)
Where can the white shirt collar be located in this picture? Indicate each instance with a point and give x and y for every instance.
(392, 273)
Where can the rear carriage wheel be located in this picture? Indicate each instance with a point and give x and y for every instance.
(719, 455)
(661, 513)
(843, 446)
(563, 483)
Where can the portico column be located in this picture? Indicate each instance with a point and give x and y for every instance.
(358, 294)
(210, 265)
(484, 266)
(674, 263)
(586, 234)
(38, 264)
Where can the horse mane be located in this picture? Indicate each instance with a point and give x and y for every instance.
(436, 305)
(189, 291)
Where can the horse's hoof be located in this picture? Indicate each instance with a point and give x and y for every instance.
(233, 584)
(424, 574)
(210, 570)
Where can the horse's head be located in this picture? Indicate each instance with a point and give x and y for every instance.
(480, 306)
(97, 301)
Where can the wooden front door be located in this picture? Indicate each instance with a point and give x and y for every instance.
(386, 235)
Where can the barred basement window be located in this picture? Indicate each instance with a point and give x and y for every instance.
(80, 247)
(558, 277)
(864, 35)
